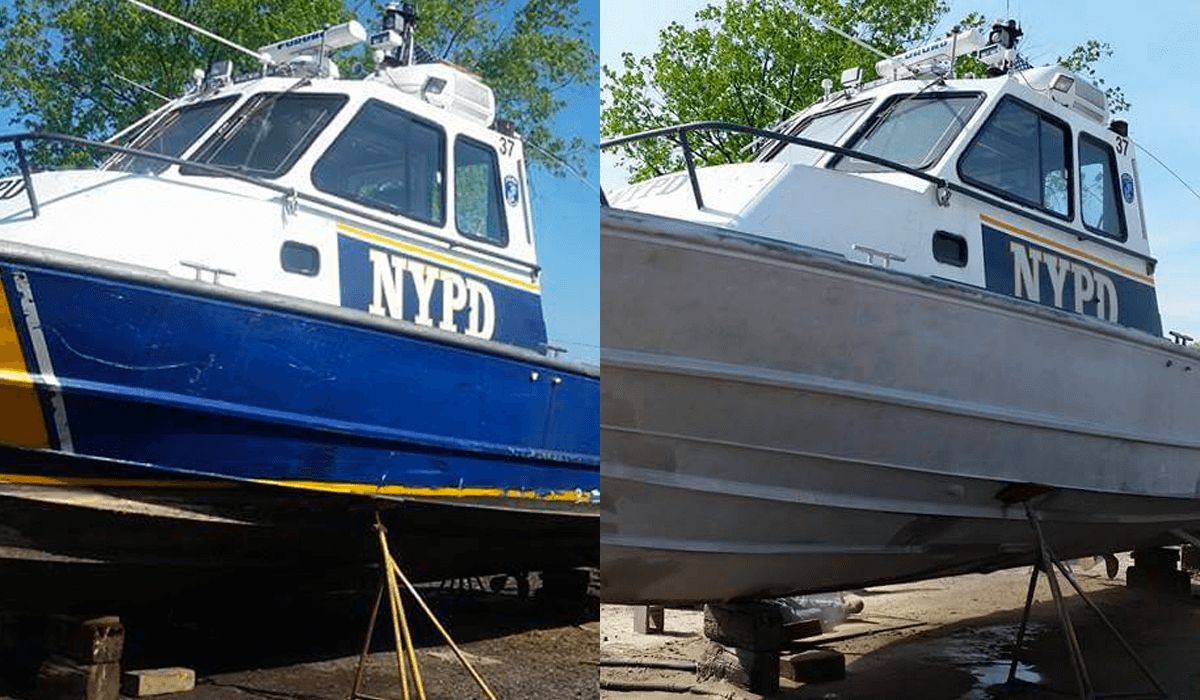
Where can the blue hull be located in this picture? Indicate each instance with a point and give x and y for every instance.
(154, 387)
(177, 380)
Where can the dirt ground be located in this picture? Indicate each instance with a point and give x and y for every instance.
(951, 639)
(306, 648)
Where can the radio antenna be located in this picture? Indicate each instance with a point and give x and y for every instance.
(822, 24)
(143, 88)
(261, 58)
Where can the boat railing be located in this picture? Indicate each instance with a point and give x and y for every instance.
(291, 194)
(679, 133)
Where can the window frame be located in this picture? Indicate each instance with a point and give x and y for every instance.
(375, 204)
(286, 166)
(1116, 185)
(1068, 154)
(141, 133)
(769, 155)
(873, 118)
(498, 181)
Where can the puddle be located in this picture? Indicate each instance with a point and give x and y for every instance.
(986, 654)
(990, 680)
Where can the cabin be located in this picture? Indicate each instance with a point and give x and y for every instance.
(1016, 183)
(398, 194)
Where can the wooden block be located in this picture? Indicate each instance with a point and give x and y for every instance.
(649, 619)
(96, 640)
(157, 681)
(814, 666)
(802, 629)
(1190, 558)
(756, 671)
(754, 626)
(61, 678)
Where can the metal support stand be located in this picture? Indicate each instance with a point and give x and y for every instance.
(406, 652)
(1047, 563)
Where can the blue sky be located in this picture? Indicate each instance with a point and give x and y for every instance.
(566, 214)
(1155, 61)
(566, 220)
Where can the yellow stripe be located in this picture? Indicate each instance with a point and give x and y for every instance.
(430, 492)
(21, 420)
(456, 262)
(1066, 249)
(327, 486)
(35, 480)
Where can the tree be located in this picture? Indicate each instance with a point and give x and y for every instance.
(749, 62)
(756, 63)
(70, 65)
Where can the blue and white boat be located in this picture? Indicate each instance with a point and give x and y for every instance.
(282, 294)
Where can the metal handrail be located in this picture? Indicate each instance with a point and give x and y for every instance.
(944, 187)
(290, 192)
(681, 131)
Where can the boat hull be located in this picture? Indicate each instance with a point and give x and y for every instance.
(777, 420)
(230, 429)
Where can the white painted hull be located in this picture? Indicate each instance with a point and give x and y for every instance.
(777, 421)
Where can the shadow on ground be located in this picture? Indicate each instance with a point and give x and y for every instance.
(952, 639)
(969, 659)
(274, 642)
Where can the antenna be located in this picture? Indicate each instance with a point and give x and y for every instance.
(822, 24)
(154, 10)
(142, 87)
(396, 43)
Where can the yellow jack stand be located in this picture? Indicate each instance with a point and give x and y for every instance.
(406, 653)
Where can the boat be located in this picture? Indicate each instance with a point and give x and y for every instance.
(926, 303)
(284, 302)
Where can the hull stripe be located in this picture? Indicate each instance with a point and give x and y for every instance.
(433, 492)
(41, 353)
(23, 422)
(1069, 250)
(326, 486)
(450, 260)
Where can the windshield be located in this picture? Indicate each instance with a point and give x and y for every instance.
(170, 135)
(268, 134)
(912, 130)
(826, 128)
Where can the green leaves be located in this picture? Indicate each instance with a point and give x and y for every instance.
(70, 65)
(749, 62)
(757, 62)
(64, 63)
(1082, 60)
(532, 55)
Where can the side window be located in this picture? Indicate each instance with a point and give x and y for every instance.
(170, 134)
(1100, 207)
(388, 159)
(1022, 154)
(478, 205)
(268, 134)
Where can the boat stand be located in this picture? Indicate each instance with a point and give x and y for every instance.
(406, 653)
(1047, 563)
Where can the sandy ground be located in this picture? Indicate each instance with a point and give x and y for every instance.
(306, 648)
(950, 639)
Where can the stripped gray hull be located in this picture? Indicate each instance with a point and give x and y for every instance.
(776, 420)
